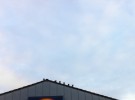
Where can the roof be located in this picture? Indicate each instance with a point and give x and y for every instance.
(47, 80)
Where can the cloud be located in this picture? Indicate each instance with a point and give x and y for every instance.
(128, 96)
(67, 41)
(9, 79)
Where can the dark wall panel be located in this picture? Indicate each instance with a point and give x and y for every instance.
(8, 96)
(39, 89)
(53, 89)
(24, 94)
(16, 95)
(46, 89)
(81, 95)
(88, 96)
(101, 98)
(67, 93)
(31, 91)
(95, 97)
(60, 90)
(2, 97)
(75, 95)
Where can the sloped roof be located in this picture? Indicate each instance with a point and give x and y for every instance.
(47, 80)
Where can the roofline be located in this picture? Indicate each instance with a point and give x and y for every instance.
(47, 80)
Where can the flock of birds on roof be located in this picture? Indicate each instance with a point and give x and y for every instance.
(58, 82)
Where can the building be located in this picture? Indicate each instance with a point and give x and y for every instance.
(51, 90)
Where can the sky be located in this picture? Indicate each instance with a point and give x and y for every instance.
(88, 43)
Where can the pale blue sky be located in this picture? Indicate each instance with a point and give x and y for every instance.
(83, 42)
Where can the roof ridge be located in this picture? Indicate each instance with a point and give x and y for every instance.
(47, 80)
(80, 89)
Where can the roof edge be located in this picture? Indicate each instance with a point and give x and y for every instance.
(47, 80)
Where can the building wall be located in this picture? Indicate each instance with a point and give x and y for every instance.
(50, 89)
